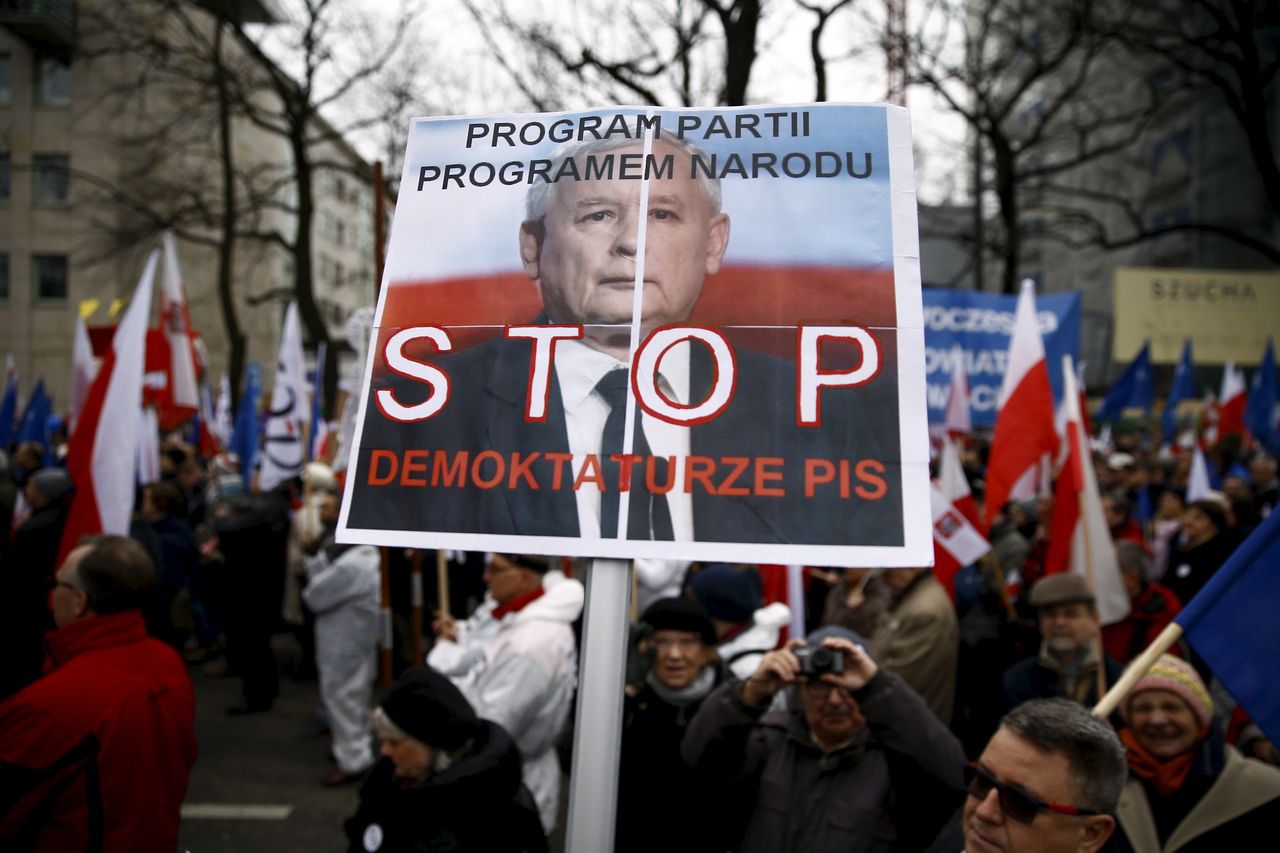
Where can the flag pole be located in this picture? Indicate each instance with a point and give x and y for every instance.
(1141, 666)
(442, 581)
(415, 605)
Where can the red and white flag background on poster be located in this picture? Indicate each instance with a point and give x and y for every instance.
(1025, 430)
(1079, 538)
(103, 452)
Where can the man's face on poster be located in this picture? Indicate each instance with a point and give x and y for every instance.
(583, 253)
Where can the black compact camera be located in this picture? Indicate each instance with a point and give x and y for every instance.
(819, 660)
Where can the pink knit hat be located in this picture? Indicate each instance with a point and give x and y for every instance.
(1179, 677)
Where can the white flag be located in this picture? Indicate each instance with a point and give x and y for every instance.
(148, 446)
(223, 423)
(177, 329)
(284, 452)
(83, 367)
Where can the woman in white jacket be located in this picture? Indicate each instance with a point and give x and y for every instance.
(517, 664)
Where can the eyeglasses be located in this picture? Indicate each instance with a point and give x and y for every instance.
(1017, 803)
(822, 689)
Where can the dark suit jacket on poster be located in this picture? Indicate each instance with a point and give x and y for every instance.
(486, 412)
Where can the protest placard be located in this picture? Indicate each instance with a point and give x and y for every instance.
(776, 411)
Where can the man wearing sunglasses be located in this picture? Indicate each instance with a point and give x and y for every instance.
(1048, 781)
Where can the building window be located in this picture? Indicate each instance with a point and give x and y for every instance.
(6, 80)
(4, 277)
(4, 176)
(49, 277)
(52, 179)
(53, 81)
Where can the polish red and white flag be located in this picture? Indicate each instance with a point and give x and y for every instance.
(956, 541)
(954, 484)
(175, 319)
(103, 451)
(957, 417)
(1079, 537)
(1024, 418)
(1234, 399)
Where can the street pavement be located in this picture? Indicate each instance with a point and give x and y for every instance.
(269, 766)
(266, 759)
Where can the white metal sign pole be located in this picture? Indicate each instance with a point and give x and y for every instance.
(593, 786)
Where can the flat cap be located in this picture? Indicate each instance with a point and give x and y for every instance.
(1061, 588)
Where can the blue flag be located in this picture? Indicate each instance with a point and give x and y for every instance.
(1133, 390)
(1183, 389)
(34, 423)
(245, 435)
(1143, 512)
(1231, 623)
(317, 404)
(8, 412)
(1260, 412)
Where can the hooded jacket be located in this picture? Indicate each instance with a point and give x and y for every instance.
(524, 681)
(97, 754)
(477, 804)
(743, 652)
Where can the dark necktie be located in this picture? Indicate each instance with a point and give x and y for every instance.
(649, 517)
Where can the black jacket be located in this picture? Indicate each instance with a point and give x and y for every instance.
(478, 804)
(653, 777)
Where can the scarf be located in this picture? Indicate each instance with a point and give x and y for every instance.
(1167, 775)
(695, 692)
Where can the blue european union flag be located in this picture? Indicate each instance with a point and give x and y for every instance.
(1183, 389)
(1231, 623)
(1260, 411)
(245, 435)
(1133, 390)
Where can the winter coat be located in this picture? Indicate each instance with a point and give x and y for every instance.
(892, 789)
(26, 576)
(1149, 614)
(477, 804)
(342, 591)
(919, 641)
(652, 775)
(1037, 678)
(96, 755)
(1190, 568)
(525, 683)
(460, 659)
(1237, 808)
(743, 652)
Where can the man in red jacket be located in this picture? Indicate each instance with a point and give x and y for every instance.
(96, 754)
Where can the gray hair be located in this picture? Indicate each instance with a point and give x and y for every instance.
(542, 193)
(1090, 745)
(1133, 558)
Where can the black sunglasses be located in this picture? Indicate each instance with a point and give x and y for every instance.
(1018, 804)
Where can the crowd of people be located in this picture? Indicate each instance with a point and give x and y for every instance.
(910, 716)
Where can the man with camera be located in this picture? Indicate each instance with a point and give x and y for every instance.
(853, 759)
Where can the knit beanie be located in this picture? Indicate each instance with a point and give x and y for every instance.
(817, 635)
(727, 593)
(426, 706)
(1178, 677)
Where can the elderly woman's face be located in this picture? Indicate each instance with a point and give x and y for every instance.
(1164, 723)
(411, 756)
(1197, 526)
